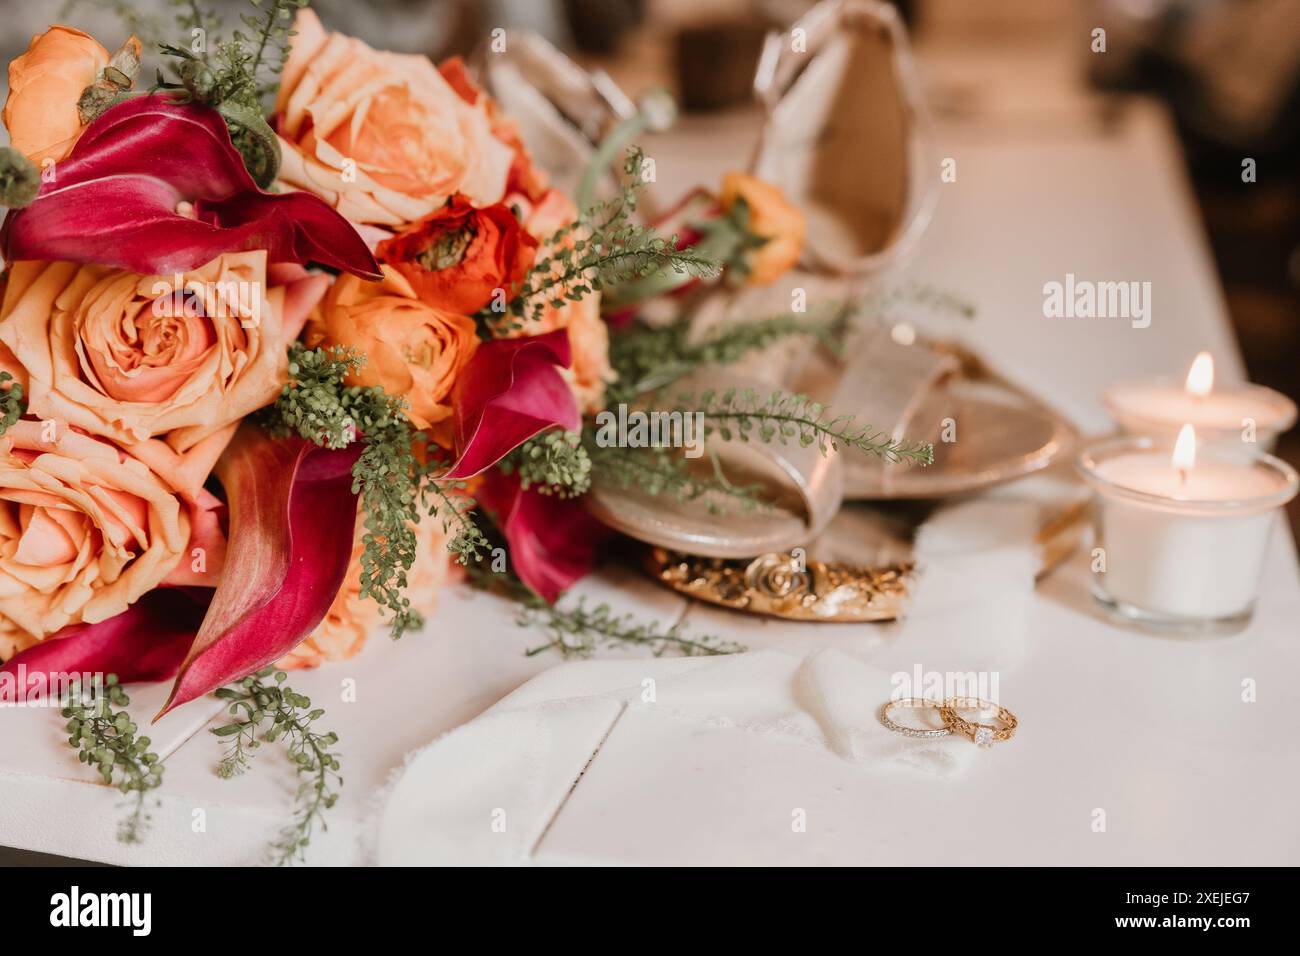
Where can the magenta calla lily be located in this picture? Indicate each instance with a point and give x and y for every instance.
(117, 198)
(292, 519)
(511, 390)
(553, 541)
(146, 642)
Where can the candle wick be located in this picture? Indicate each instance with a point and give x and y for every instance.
(1182, 478)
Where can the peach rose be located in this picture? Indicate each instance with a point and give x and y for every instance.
(772, 217)
(45, 84)
(525, 176)
(165, 366)
(85, 530)
(383, 137)
(411, 349)
(589, 371)
(351, 617)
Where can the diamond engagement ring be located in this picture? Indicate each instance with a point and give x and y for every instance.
(983, 735)
(912, 702)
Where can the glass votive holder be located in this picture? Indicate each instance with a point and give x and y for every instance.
(1242, 420)
(1181, 549)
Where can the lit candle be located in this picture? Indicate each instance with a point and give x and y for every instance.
(1182, 533)
(1227, 416)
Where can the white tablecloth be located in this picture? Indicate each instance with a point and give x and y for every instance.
(1152, 731)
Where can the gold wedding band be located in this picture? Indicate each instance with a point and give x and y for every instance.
(981, 734)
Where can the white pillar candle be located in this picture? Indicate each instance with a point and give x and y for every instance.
(1182, 541)
(1224, 415)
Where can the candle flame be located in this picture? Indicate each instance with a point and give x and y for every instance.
(1185, 451)
(1200, 377)
(903, 334)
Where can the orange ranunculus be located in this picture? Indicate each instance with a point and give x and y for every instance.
(165, 366)
(771, 217)
(351, 617)
(589, 371)
(458, 258)
(381, 136)
(45, 84)
(412, 349)
(85, 530)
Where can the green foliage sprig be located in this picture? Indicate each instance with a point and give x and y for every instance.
(267, 711)
(602, 249)
(243, 68)
(396, 489)
(105, 737)
(647, 358)
(665, 471)
(318, 405)
(917, 294)
(455, 509)
(577, 629)
(554, 462)
(239, 75)
(783, 418)
(271, 33)
(12, 405)
(147, 28)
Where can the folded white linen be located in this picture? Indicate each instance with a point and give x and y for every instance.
(489, 791)
(976, 560)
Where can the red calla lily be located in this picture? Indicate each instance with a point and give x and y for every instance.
(511, 390)
(292, 518)
(116, 200)
(553, 541)
(146, 642)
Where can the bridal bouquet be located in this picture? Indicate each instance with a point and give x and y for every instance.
(290, 329)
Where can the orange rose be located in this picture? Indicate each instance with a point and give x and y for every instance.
(589, 371)
(351, 617)
(165, 366)
(85, 530)
(383, 137)
(45, 84)
(771, 217)
(525, 176)
(412, 349)
(458, 258)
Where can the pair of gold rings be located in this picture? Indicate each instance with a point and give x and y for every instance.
(981, 734)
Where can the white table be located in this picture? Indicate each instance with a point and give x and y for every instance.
(1154, 731)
